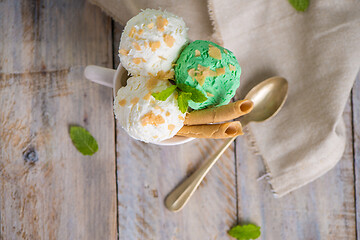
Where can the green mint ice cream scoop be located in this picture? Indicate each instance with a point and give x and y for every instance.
(211, 69)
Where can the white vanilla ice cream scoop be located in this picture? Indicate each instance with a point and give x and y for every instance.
(142, 116)
(151, 42)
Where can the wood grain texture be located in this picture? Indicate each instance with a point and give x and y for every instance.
(48, 189)
(147, 173)
(356, 146)
(323, 209)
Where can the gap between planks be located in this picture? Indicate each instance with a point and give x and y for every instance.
(113, 50)
(355, 120)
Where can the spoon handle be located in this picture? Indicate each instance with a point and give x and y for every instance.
(177, 199)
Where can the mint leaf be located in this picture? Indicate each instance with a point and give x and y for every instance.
(183, 101)
(164, 94)
(196, 95)
(83, 140)
(300, 5)
(245, 232)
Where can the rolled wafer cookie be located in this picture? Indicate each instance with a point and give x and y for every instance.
(223, 130)
(219, 114)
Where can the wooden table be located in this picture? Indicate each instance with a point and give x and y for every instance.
(50, 191)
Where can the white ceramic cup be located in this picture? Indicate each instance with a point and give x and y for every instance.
(116, 79)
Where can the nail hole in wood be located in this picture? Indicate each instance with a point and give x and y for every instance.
(30, 155)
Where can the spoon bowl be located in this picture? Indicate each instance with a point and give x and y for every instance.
(268, 98)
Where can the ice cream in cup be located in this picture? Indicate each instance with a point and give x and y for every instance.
(161, 77)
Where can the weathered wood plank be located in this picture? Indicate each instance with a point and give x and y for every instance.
(147, 173)
(48, 189)
(323, 209)
(356, 135)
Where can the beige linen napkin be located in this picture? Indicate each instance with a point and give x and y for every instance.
(317, 51)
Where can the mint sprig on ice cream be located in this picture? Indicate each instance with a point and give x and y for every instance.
(185, 94)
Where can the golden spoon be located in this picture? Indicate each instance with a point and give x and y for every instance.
(268, 97)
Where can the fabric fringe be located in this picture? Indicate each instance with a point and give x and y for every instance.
(251, 142)
(250, 139)
(216, 36)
